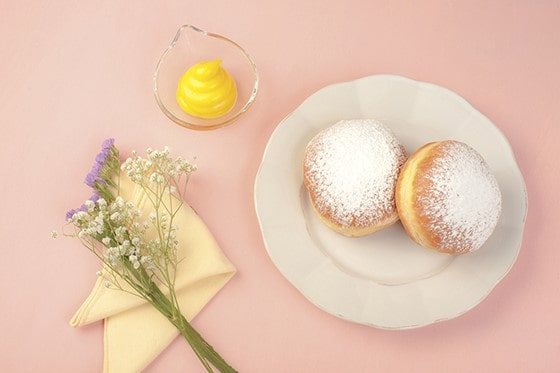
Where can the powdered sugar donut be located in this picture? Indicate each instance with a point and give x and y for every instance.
(350, 170)
(448, 199)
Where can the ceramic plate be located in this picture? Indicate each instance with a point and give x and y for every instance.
(384, 280)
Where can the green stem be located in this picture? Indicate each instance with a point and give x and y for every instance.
(198, 343)
(204, 351)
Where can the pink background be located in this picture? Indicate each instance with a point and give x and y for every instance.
(74, 73)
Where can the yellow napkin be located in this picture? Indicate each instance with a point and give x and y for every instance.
(135, 332)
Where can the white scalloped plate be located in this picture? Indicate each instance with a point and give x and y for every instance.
(384, 280)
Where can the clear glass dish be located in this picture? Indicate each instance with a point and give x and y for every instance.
(190, 46)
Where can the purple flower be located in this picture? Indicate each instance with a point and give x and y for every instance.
(102, 157)
(94, 198)
(90, 180)
(70, 213)
(95, 179)
(94, 175)
(108, 143)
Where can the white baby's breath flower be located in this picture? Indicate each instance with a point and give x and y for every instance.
(153, 177)
(145, 259)
(124, 251)
(90, 205)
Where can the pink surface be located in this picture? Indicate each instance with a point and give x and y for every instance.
(74, 73)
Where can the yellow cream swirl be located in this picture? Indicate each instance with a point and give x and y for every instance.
(206, 90)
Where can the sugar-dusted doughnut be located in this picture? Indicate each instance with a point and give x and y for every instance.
(447, 197)
(350, 170)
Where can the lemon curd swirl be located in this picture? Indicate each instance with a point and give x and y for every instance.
(206, 90)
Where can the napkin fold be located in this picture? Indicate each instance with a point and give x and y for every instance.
(134, 331)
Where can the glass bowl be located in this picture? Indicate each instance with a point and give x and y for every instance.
(190, 46)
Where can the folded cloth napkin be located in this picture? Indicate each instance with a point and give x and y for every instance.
(135, 332)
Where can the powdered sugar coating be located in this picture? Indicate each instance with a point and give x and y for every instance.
(351, 169)
(463, 203)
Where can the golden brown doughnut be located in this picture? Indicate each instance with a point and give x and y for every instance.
(447, 198)
(350, 170)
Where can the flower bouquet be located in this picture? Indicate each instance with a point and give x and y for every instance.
(140, 253)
